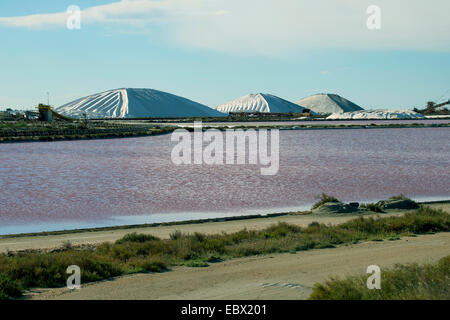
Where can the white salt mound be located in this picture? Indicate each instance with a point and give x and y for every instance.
(377, 114)
(328, 103)
(260, 102)
(136, 103)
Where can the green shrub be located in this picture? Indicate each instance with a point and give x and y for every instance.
(373, 207)
(324, 198)
(177, 234)
(49, 269)
(196, 264)
(147, 264)
(134, 237)
(403, 282)
(9, 288)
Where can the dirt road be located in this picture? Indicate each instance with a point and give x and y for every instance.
(280, 276)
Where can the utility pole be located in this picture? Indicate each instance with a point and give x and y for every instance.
(48, 98)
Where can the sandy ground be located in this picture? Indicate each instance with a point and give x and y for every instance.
(55, 241)
(280, 276)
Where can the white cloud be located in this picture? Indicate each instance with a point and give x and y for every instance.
(271, 26)
(133, 12)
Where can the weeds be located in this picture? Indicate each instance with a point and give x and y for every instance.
(403, 282)
(9, 288)
(66, 245)
(324, 198)
(134, 237)
(401, 196)
(374, 207)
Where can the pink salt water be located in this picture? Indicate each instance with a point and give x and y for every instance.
(75, 184)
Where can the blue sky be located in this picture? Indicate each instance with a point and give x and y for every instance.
(215, 51)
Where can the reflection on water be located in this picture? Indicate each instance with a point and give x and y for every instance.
(72, 184)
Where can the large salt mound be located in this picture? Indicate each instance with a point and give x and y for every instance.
(328, 103)
(260, 102)
(377, 114)
(136, 103)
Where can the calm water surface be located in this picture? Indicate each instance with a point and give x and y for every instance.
(320, 122)
(74, 184)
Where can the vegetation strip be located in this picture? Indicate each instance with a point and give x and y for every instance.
(403, 282)
(145, 253)
(17, 132)
(48, 133)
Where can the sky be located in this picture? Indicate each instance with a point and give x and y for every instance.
(395, 55)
